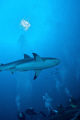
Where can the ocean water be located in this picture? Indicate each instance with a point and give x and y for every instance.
(49, 28)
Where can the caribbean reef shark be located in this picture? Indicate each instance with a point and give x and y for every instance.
(36, 64)
(67, 115)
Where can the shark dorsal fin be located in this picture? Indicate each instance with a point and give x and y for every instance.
(37, 57)
(37, 72)
(26, 56)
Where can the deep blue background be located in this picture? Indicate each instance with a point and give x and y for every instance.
(54, 32)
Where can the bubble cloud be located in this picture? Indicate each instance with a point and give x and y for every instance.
(25, 24)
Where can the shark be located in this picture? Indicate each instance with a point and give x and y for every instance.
(36, 64)
(66, 115)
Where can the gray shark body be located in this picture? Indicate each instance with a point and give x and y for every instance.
(37, 64)
(67, 115)
(8, 66)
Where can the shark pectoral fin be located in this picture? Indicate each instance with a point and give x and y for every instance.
(26, 56)
(37, 72)
(37, 57)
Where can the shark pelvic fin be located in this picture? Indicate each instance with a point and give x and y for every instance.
(12, 72)
(37, 72)
(37, 57)
(26, 56)
(12, 69)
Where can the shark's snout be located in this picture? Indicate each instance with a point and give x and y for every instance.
(57, 61)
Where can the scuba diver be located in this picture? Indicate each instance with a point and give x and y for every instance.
(21, 115)
(72, 104)
(31, 112)
(52, 113)
(60, 109)
(73, 101)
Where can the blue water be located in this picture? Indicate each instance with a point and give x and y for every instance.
(54, 32)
